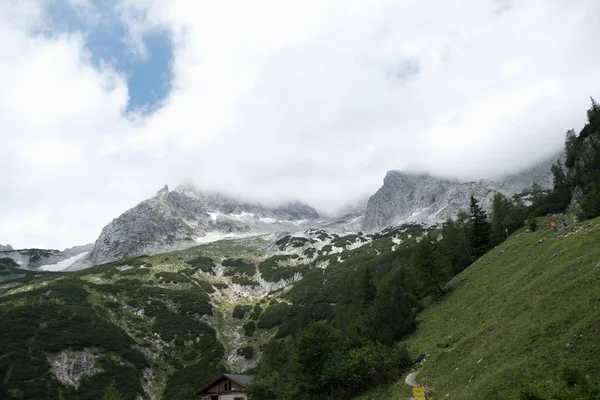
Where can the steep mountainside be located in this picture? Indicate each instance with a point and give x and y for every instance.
(161, 326)
(421, 198)
(187, 216)
(520, 323)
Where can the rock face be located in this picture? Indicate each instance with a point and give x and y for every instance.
(421, 198)
(8, 247)
(424, 199)
(33, 259)
(70, 366)
(186, 216)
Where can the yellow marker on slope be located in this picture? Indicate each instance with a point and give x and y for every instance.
(419, 393)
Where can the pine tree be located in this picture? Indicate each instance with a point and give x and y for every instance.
(369, 289)
(561, 193)
(480, 230)
(395, 306)
(508, 215)
(455, 244)
(432, 265)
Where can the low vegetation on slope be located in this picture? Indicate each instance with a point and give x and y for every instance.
(520, 323)
(124, 327)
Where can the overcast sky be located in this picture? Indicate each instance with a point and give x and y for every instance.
(102, 102)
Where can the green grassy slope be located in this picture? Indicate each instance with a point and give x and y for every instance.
(526, 318)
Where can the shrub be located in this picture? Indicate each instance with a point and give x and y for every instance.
(247, 352)
(239, 266)
(532, 225)
(240, 280)
(272, 272)
(172, 277)
(135, 271)
(240, 311)
(256, 312)
(274, 315)
(249, 328)
(205, 264)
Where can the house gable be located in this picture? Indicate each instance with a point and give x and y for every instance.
(227, 386)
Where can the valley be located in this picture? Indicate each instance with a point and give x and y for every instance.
(171, 320)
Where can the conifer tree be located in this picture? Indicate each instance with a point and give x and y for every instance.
(369, 289)
(561, 193)
(432, 265)
(480, 229)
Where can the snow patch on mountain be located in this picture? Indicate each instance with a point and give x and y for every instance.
(64, 264)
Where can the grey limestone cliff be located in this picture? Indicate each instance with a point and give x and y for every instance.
(186, 215)
(421, 198)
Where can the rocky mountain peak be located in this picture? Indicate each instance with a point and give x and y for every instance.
(296, 210)
(8, 247)
(162, 193)
(188, 215)
(407, 197)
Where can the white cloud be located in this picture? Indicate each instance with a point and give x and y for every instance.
(278, 99)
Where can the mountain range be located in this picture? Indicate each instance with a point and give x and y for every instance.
(187, 216)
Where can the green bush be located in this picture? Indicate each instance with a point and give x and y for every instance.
(172, 277)
(532, 224)
(271, 271)
(249, 328)
(205, 264)
(256, 312)
(247, 352)
(135, 271)
(240, 311)
(275, 315)
(239, 266)
(590, 206)
(240, 280)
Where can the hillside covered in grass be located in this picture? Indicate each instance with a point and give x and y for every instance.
(522, 322)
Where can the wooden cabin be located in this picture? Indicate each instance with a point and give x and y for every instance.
(227, 387)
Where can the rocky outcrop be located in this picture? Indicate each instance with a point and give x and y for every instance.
(70, 366)
(182, 217)
(421, 198)
(76, 250)
(33, 259)
(8, 247)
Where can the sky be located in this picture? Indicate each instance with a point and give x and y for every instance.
(103, 102)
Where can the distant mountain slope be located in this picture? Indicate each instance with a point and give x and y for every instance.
(422, 198)
(33, 259)
(540, 174)
(522, 319)
(185, 216)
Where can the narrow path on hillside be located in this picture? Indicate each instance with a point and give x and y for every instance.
(411, 379)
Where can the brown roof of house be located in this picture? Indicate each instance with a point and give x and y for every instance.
(243, 380)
